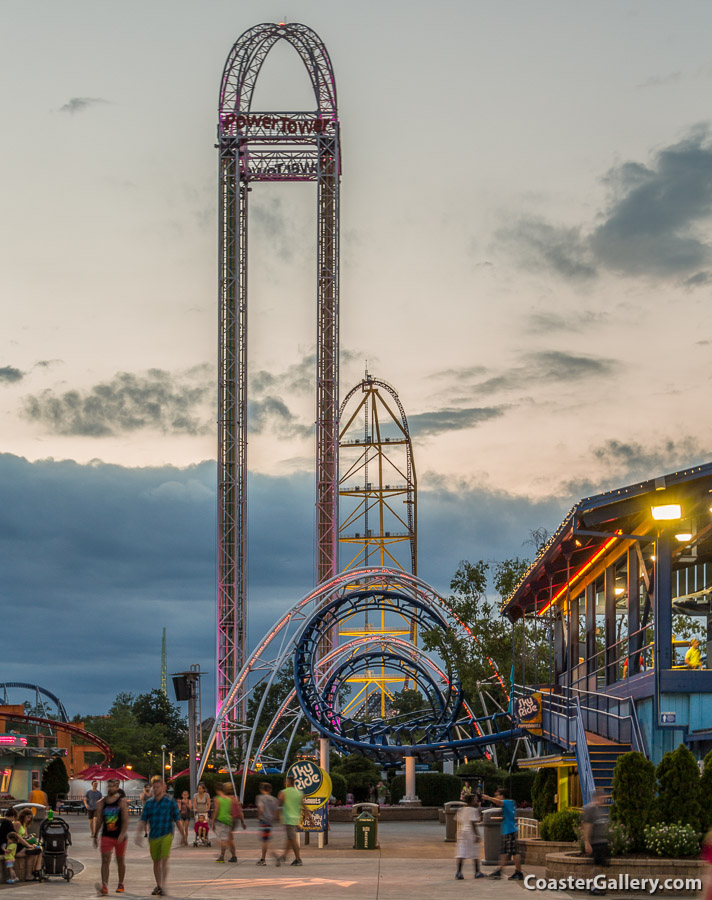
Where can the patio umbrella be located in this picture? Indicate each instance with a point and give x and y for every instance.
(129, 775)
(90, 774)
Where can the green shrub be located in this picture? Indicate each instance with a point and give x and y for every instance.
(521, 786)
(678, 778)
(360, 773)
(432, 788)
(544, 791)
(633, 796)
(561, 826)
(619, 841)
(338, 786)
(486, 771)
(672, 841)
(706, 795)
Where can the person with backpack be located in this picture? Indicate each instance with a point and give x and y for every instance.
(227, 812)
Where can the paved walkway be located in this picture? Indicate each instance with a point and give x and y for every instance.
(413, 863)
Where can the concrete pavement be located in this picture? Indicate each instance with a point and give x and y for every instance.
(413, 863)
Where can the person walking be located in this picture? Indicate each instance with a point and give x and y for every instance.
(509, 847)
(112, 824)
(184, 808)
(469, 837)
(291, 802)
(267, 815)
(161, 814)
(227, 812)
(91, 801)
(201, 800)
(595, 835)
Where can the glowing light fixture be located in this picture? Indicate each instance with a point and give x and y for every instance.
(620, 591)
(683, 536)
(584, 568)
(666, 513)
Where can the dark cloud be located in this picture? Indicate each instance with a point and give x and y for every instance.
(441, 420)
(272, 414)
(101, 556)
(660, 80)
(10, 375)
(79, 104)
(625, 462)
(655, 224)
(697, 280)
(129, 402)
(546, 322)
(553, 248)
(543, 367)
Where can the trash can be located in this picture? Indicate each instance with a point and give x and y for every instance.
(365, 832)
(451, 809)
(492, 831)
(358, 808)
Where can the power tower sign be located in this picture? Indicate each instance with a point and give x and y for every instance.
(271, 146)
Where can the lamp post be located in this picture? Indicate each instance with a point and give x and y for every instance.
(163, 760)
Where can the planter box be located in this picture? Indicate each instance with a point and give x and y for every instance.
(534, 851)
(563, 865)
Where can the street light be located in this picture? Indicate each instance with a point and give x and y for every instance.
(163, 760)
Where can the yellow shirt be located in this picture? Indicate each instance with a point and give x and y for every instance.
(39, 797)
(693, 658)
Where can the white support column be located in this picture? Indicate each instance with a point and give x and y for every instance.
(411, 798)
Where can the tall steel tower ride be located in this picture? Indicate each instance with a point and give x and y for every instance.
(271, 146)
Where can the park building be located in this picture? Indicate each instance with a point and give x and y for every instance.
(613, 632)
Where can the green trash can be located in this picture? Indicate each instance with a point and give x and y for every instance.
(365, 832)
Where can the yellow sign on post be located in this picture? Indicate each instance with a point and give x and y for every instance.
(315, 783)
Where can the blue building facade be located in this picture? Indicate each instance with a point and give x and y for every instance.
(622, 593)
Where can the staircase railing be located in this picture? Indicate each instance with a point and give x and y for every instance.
(583, 758)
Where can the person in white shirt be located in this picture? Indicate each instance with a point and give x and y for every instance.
(469, 835)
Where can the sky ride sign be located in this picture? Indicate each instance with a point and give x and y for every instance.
(315, 784)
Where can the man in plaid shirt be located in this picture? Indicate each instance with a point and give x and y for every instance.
(161, 814)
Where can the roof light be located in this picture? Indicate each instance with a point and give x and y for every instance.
(683, 536)
(666, 513)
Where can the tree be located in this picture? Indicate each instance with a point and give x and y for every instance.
(678, 780)
(706, 795)
(55, 780)
(359, 773)
(155, 708)
(634, 796)
(544, 793)
(130, 740)
(493, 635)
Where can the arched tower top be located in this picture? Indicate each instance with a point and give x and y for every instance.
(248, 54)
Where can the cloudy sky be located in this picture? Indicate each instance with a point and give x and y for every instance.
(526, 257)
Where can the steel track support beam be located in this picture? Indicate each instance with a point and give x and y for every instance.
(232, 423)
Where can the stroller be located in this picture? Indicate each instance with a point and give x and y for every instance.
(201, 838)
(55, 837)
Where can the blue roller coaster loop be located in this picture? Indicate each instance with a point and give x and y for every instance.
(441, 730)
(61, 711)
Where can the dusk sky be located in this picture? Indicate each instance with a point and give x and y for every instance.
(526, 217)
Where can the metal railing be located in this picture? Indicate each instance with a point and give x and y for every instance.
(527, 828)
(583, 759)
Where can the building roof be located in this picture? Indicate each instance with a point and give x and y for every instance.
(597, 523)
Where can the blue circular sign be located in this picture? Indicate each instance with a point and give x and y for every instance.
(307, 776)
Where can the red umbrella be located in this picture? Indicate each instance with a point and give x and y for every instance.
(128, 774)
(90, 774)
(178, 774)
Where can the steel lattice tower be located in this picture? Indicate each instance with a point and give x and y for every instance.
(271, 146)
